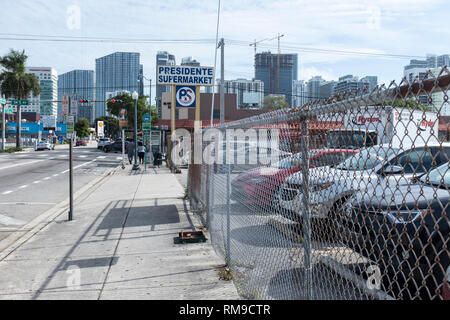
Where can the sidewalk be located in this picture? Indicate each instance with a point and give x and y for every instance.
(119, 246)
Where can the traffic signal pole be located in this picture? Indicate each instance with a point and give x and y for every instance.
(3, 127)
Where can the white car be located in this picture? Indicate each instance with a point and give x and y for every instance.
(45, 145)
(103, 142)
(371, 167)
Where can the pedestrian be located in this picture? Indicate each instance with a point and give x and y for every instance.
(130, 151)
(141, 152)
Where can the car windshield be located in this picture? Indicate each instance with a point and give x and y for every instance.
(289, 162)
(366, 159)
(439, 176)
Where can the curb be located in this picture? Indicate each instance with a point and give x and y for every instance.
(22, 235)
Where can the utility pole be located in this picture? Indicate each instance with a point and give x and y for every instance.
(222, 81)
(278, 62)
(3, 103)
(70, 166)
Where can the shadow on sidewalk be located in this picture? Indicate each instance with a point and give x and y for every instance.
(119, 214)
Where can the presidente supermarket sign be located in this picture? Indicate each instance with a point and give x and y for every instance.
(185, 75)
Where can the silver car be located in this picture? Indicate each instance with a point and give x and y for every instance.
(375, 166)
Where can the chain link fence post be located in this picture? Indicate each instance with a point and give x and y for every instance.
(306, 209)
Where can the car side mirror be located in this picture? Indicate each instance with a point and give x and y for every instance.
(393, 170)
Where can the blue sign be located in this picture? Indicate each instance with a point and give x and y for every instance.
(146, 117)
(33, 128)
(185, 96)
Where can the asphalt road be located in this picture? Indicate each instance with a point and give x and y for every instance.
(33, 182)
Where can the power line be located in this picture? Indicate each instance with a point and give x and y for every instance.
(326, 51)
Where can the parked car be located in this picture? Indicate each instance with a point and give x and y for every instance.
(45, 145)
(116, 146)
(80, 143)
(103, 142)
(406, 229)
(379, 165)
(260, 185)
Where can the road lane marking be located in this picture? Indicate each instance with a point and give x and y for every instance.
(82, 156)
(86, 163)
(46, 178)
(101, 157)
(23, 187)
(20, 164)
(7, 192)
(55, 175)
(37, 181)
(8, 221)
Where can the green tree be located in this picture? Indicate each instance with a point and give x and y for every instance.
(15, 83)
(110, 124)
(125, 101)
(154, 115)
(275, 102)
(410, 104)
(82, 127)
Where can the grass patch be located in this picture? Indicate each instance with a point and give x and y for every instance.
(11, 150)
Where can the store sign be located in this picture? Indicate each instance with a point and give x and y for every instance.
(185, 75)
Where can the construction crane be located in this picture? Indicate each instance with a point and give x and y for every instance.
(278, 58)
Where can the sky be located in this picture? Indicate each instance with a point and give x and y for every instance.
(406, 28)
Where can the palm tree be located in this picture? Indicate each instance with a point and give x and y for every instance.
(15, 83)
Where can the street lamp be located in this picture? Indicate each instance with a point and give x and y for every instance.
(135, 97)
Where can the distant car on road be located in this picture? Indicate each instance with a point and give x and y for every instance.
(103, 142)
(80, 143)
(115, 146)
(45, 145)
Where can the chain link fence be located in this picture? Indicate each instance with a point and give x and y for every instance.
(339, 199)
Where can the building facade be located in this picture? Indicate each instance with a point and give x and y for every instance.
(115, 72)
(299, 95)
(249, 93)
(277, 71)
(80, 85)
(350, 83)
(190, 61)
(313, 88)
(166, 59)
(46, 102)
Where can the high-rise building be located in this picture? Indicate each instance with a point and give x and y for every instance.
(326, 90)
(80, 85)
(350, 83)
(166, 59)
(189, 61)
(116, 71)
(141, 80)
(249, 93)
(313, 88)
(299, 94)
(46, 102)
(371, 80)
(277, 71)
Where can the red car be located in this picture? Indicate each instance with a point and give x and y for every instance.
(80, 143)
(260, 185)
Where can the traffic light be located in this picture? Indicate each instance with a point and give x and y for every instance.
(116, 101)
(84, 101)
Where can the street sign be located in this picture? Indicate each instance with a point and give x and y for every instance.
(69, 126)
(146, 126)
(100, 129)
(185, 75)
(146, 117)
(185, 96)
(65, 104)
(19, 102)
(123, 124)
(2, 100)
